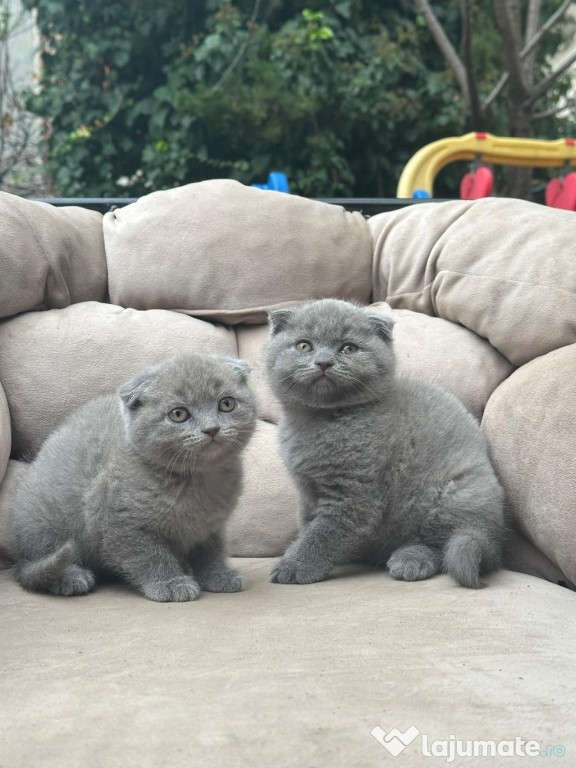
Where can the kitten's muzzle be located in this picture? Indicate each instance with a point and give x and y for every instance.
(324, 365)
(211, 431)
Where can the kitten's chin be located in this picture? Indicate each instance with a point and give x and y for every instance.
(221, 448)
(325, 393)
(317, 395)
(211, 448)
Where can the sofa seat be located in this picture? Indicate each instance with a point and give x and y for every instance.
(285, 675)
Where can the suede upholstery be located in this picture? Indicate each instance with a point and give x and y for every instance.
(15, 472)
(505, 269)
(447, 354)
(49, 257)
(287, 676)
(54, 361)
(484, 297)
(536, 454)
(5, 433)
(216, 233)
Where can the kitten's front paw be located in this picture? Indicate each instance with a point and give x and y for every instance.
(411, 566)
(76, 580)
(177, 590)
(295, 572)
(221, 581)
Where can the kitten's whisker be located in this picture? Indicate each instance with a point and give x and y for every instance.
(173, 461)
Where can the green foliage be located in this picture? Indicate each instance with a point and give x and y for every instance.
(338, 94)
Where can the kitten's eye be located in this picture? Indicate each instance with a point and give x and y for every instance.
(179, 415)
(303, 346)
(349, 349)
(227, 404)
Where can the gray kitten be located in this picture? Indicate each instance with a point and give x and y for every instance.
(390, 469)
(140, 484)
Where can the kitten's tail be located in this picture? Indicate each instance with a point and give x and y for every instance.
(470, 552)
(39, 575)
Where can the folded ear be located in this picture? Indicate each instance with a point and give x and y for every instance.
(241, 367)
(133, 392)
(279, 320)
(382, 325)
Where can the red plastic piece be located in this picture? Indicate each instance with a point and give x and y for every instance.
(477, 184)
(480, 135)
(561, 193)
(570, 142)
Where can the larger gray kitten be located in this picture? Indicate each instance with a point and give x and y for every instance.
(140, 484)
(390, 469)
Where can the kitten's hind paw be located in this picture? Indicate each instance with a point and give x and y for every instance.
(294, 572)
(75, 580)
(178, 590)
(413, 563)
(221, 581)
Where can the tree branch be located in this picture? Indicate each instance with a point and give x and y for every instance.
(532, 19)
(543, 85)
(556, 16)
(476, 112)
(527, 50)
(508, 19)
(555, 110)
(532, 23)
(244, 47)
(445, 46)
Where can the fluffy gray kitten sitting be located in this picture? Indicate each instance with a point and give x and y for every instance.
(390, 469)
(140, 484)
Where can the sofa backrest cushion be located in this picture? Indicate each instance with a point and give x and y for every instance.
(221, 250)
(5, 433)
(506, 269)
(447, 354)
(266, 518)
(49, 257)
(530, 422)
(52, 362)
(15, 473)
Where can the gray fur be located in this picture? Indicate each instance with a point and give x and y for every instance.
(390, 469)
(122, 488)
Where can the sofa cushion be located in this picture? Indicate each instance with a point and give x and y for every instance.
(222, 250)
(251, 342)
(522, 556)
(54, 361)
(49, 257)
(447, 354)
(530, 422)
(15, 473)
(490, 265)
(286, 675)
(266, 518)
(5, 433)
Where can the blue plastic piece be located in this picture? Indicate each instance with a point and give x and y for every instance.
(277, 181)
(420, 194)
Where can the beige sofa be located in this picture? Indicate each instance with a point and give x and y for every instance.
(330, 674)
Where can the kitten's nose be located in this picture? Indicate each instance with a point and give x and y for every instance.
(212, 431)
(323, 364)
